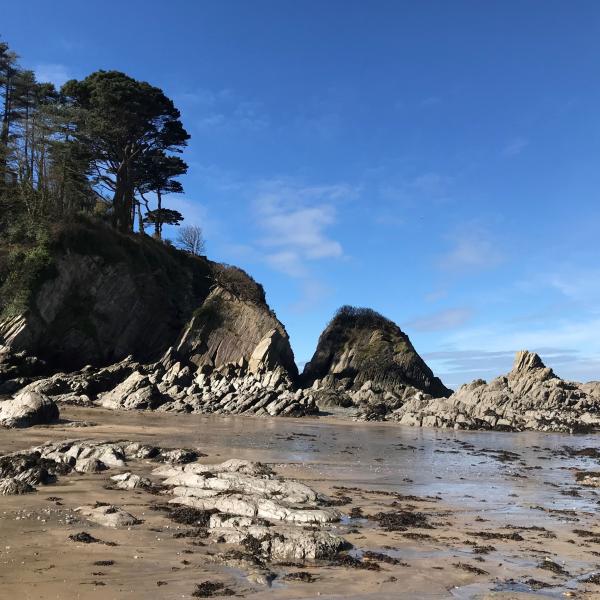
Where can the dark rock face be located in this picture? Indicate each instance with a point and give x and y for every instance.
(103, 297)
(362, 350)
(107, 296)
(530, 396)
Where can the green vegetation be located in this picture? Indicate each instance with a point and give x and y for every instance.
(21, 274)
(81, 169)
(104, 146)
(239, 283)
(359, 318)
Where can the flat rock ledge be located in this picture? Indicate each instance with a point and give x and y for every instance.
(236, 502)
(246, 504)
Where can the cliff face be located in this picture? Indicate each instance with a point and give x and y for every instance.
(230, 328)
(102, 296)
(362, 349)
(530, 396)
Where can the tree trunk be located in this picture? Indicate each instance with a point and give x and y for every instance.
(157, 222)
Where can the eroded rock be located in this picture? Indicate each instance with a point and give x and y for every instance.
(108, 516)
(530, 397)
(26, 409)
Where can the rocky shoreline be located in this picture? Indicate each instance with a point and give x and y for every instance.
(530, 397)
(118, 510)
(209, 343)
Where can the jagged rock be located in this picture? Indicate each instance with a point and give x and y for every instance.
(233, 465)
(31, 467)
(108, 516)
(284, 543)
(234, 326)
(246, 484)
(14, 487)
(89, 465)
(531, 396)
(130, 481)
(105, 296)
(27, 409)
(136, 392)
(247, 504)
(254, 494)
(366, 360)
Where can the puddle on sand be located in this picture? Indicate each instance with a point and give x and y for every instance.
(468, 470)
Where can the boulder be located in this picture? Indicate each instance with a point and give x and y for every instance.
(108, 516)
(27, 409)
(136, 392)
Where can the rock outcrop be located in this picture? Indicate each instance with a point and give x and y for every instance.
(125, 301)
(102, 296)
(26, 409)
(531, 396)
(247, 504)
(175, 384)
(99, 297)
(363, 359)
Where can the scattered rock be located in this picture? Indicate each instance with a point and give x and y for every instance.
(84, 537)
(210, 589)
(108, 516)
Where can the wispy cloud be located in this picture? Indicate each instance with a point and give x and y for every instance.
(52, 73)
(223, 110)
(485, 351)
(441, 320)
(295, 221)
(472, 249)
(431, 101)
(576, 283)
(515, 146)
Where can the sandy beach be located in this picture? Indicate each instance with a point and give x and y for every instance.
(503, 514)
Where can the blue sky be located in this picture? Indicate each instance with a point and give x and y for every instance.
(437, 161)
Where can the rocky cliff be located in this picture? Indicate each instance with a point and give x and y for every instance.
(88, 295)
(530, 396)
(364, 359)
(151, 326)
(102, 296)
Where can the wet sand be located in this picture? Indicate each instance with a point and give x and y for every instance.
(504, 509)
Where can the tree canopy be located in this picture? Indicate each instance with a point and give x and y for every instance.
(128, 128)
(107, 144)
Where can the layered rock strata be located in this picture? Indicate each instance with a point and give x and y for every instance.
(364, 360)
(531, 396)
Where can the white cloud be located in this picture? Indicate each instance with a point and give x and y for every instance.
(515, 146)
(473, 249)
(441, 320)
(294, 220)
(52, 73)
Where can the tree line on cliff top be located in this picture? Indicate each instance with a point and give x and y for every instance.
(107, 145)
